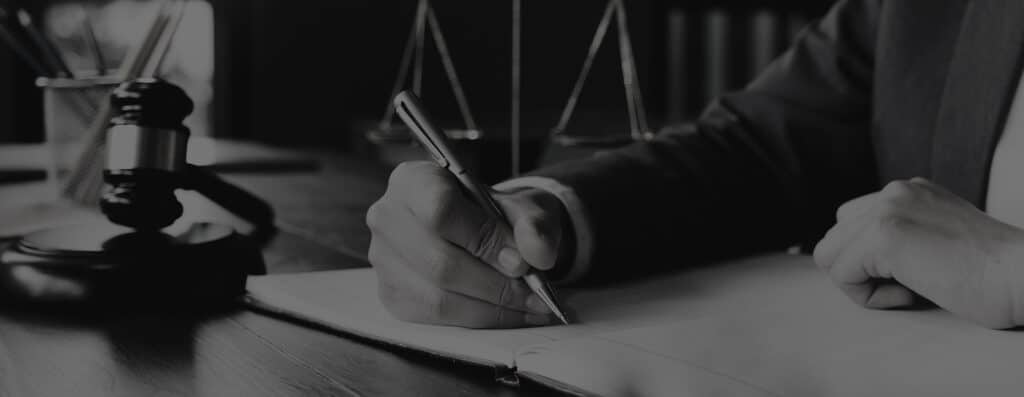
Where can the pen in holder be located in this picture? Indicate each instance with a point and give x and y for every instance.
(69, 108)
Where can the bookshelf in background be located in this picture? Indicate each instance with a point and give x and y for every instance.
(712, 47)
(232, 72)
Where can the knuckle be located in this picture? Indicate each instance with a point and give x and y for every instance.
(841, 210)
(890, 224)
(899, 190)
(825, 248)
(819, 254)
(410, 174)
(407, 169)
(400, 174)
(889, 209)
(375, 216)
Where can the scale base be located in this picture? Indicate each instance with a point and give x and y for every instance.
(108, 264)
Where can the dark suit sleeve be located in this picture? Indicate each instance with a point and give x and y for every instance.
(763, 168)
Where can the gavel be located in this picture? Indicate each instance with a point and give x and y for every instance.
(142, 256)
(146, 162)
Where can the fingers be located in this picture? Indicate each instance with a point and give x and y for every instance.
(859, 253)
(446, 267)
(439, 203)
(537, 227)
(854, 278)
(880, 295)
(837, 238)
(442, 259)
(890, 295)
(426, 279)
(898, 201)
(413, 298)
(862, 272)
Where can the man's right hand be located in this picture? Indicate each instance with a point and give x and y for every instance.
(441, 260)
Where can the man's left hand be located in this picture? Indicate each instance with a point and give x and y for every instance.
(914, 239)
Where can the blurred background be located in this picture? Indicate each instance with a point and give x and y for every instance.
(320, 72)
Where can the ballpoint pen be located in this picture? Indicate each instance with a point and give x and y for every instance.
(93, 43)
(409, 109)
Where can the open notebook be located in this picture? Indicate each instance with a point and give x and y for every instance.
(764, 326)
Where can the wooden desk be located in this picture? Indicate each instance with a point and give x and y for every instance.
(236, 352)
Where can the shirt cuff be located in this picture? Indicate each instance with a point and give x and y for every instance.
(577, 216)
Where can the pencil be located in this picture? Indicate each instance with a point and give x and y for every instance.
(20, 48)
(163, 46)
(93, 44)
(46, 48)
(85, 181)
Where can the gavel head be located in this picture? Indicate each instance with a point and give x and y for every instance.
(146, 147)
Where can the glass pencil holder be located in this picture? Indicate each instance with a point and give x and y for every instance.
(70, 107)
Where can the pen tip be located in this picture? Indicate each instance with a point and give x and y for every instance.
(540, 287)
(562, 317)
(557, 311)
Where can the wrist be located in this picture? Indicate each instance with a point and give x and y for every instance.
(995, 296)
(1013, 265)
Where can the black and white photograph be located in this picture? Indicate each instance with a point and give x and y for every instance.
(620, 198)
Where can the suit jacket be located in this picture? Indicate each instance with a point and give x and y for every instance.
(875, 91)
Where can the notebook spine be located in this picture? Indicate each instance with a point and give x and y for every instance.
(506, 376)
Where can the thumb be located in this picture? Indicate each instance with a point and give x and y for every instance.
(536, 227)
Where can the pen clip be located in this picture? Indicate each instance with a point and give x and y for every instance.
(412, 113)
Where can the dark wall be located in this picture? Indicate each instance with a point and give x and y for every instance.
(319, 67)
(21, 118)
(6, 95)
(317, 71)
(322, 69)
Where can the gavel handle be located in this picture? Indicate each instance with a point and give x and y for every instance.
(234, 199)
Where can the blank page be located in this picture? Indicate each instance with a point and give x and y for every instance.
(346, 300)
(777, 326)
